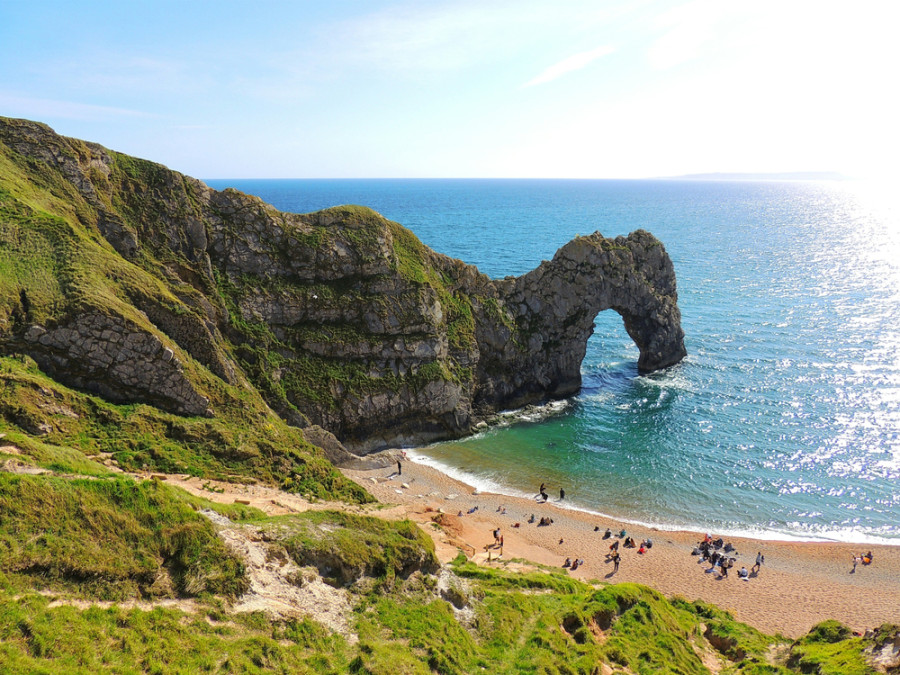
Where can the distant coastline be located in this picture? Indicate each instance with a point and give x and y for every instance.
(786, 175)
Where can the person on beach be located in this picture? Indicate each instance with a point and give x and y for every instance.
(399, 468)
(723, 568)
(760, 559)
(543, 495)
(562, 494)
(616, 557)
(744, 574)
(607, 534)
(496, 536)
(614, 547)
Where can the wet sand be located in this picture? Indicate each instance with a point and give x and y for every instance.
(800, 583)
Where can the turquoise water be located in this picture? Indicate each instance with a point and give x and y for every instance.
(784, 420)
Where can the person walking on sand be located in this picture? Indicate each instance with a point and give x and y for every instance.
(616, 558)
(760, 559)
(399, 468)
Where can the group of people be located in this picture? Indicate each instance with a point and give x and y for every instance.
(722, 554)
(543, 496)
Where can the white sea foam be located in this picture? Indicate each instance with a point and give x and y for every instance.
(791, 532)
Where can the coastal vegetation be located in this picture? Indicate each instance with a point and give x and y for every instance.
(402, 617)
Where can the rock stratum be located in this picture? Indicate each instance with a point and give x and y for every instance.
(140, 285)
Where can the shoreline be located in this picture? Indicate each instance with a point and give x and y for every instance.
(460, 475)
(800, 584)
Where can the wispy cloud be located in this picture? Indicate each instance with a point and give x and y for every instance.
(569, 65)
(46, 108)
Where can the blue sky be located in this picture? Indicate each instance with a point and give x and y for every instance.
(570, 88)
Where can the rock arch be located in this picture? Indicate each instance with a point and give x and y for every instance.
(536, 347)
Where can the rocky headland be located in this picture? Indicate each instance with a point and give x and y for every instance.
(142, 285)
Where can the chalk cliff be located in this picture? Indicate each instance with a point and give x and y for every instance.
(137, 283)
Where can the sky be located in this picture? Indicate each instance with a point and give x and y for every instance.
(548, 89)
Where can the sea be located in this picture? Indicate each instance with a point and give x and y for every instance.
(783, 422)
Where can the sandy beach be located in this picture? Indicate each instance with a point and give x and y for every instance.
(800, 583)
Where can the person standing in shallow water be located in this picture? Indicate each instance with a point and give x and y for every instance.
(562, 494)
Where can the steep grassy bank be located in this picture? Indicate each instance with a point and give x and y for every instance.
(62, 429)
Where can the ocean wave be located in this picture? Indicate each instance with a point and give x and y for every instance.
(533, 413)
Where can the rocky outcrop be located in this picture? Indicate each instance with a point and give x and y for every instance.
(339, 318)
(117, 360)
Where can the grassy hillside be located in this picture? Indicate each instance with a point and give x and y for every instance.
(509, 623)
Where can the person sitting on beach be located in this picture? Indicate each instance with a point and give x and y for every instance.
(574, 565)
(459, 515)
(531, 520)
(622, 533)
(642, 549)
(516, 525)
(629, 543)
(867, 558)
(718, 543)
(607, 534)
(473, 510)
(744, 574)
(568, 563)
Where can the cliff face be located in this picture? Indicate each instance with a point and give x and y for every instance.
(137, 283)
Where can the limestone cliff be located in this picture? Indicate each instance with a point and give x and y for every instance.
(135, 282)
